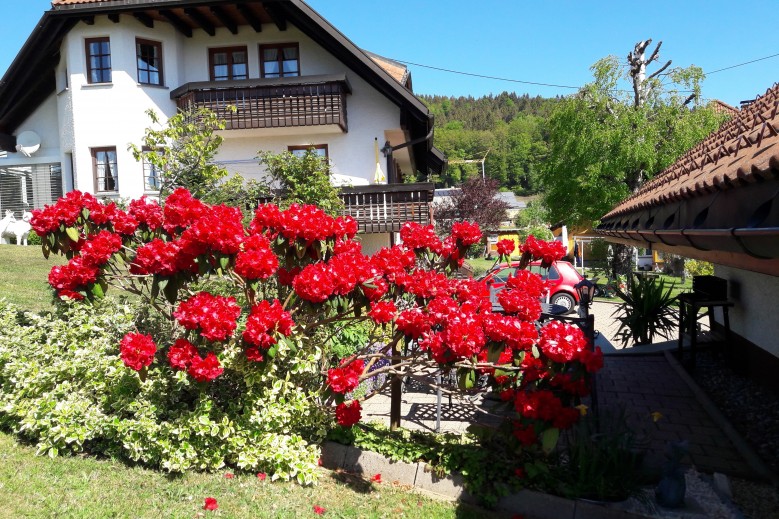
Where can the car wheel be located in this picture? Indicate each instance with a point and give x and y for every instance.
(565, 300)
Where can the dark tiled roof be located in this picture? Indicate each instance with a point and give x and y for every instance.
(745, 150)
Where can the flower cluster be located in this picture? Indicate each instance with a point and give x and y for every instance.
(214, 316)
(164, 258)
(348, 413)
(547, 251)
(466, 233)
(506, 247)
(382, 311)
(71, 279)
(147, 213)
(256, 260)
(417, 237)
(137, 350)
(265, 321)
(345, 377)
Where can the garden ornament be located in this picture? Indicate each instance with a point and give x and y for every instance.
(18, 229)
(671, 489)
(5, 222)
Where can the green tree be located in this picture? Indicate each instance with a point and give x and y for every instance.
(608, 139)
(302, 180)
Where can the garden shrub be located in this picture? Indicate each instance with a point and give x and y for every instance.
(64, 387)
(228, 364)
(698, 267)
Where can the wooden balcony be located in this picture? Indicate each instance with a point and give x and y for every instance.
(270, 103)
(385, 208)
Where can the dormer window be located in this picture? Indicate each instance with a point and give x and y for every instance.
(280, 60)
(98, 60)
(228, 63)
(149, 56)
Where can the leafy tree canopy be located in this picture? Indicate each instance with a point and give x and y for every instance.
(609, 138)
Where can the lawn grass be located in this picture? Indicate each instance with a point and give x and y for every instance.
(84, 487)
(23, 276)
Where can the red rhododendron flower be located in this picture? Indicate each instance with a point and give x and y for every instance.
(416, 236)
(526, 435)
(286, 277)
(346, 377)
(72, 277)
(376, 478)
(99, 248)
(592, 360)
(265, 321)
(562, 342)
(307, 223)
(210, 504)
(518, 302)
(413, 323)
(318, 510)
(547, 252)
(261, 476)
(205, 370)
(215, 316)
(219, 229)
(146, 212)
(137, 350)
(256, 260)
(315, 283)
(348, 414)
(163, 258)
(506, 247)
(382, 311)
(181, 353)
(229, 475)
(466, 233)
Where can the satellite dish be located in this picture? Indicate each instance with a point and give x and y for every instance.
(28, 143)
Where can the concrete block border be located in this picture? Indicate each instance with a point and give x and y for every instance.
(418, 476)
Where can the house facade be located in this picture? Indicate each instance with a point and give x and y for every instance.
(720, 203)
(77, 94)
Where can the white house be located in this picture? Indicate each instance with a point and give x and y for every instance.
(77, 93)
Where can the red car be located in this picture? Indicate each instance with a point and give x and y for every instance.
(561, 277)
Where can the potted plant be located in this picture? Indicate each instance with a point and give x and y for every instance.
(646, 310)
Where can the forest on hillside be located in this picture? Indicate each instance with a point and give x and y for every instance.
(508, 128)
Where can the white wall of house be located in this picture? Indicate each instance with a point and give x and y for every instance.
(754, 296)
(82, 116)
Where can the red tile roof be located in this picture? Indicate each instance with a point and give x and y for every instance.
(743, 151)
(55, 3)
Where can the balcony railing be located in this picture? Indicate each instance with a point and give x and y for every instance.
(385, 208)
(270, 103)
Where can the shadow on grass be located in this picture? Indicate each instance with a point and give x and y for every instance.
(354, 481)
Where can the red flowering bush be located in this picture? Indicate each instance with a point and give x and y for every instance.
(244, 302)
(137, 351)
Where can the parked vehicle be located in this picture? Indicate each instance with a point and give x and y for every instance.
(561, 277)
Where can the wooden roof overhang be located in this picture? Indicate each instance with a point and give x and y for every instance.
(30, 78)
(719, 202)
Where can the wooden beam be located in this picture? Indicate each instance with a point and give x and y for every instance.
(177, 22)
(145, 19)
(276, 15)
(201, 20)
(89, 20)
(114, 17)
(250, 17)
(223, 17)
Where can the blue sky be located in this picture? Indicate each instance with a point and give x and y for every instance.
(551, 42)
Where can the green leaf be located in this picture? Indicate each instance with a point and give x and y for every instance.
(549, 439)
(171, 291)
(224, 261)
(46, 249)
(466, 378)
(72, 233)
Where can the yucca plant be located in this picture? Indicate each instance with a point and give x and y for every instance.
(646, 310)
